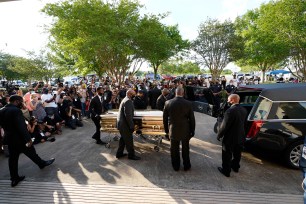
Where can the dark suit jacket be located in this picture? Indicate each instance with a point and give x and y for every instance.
(160, 103)
(153, 95)
(232, 128)
(139, 103)
(96, 107)
(15, 128)
(178, 118)
(125, 115)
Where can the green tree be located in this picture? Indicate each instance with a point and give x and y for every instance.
(97, 36)
(35, 67)
(5, 71)
(214, 44)
(260, 50)
(285, 20)
(176, 67)
(156, 42)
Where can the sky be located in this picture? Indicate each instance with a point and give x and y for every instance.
(22, 23)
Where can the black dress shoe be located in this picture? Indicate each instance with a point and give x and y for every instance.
(187, 168)
(222, 172)
(167, 137)
(16, 181)
(47, 163)
(235, 170)
(101, 142)
(134, 157)
(121, 155)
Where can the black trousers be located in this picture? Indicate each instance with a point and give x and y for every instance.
(96, 135)
(126, 141)
(14, 157)
(175, 153)
(231, 156)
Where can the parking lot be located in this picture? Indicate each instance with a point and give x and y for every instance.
(80, 161)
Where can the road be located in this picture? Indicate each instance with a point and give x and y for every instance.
(80, 161)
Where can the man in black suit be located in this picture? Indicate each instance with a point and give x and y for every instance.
(96, 108)
(179, 123)
(107, 98)
(161, 100)
(18, 138)
(232, 130)
(125, 125)
(139, 101)
(154, 93)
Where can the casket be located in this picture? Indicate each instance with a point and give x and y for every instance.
(146, 122)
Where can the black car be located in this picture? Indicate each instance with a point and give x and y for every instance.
(277, 122)
(202, 99)
(277, 119)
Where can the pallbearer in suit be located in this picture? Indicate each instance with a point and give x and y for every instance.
(96, 108)
(232, 130)
(125, 126)
(18, 138)
(179, 123)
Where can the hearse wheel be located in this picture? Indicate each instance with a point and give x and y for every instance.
(293, 154)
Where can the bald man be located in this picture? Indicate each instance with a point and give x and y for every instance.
(161, 100)
(125, 125)
(179, 123)
(232, 130)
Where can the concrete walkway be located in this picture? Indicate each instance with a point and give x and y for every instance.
(46, 192)
(85, 172)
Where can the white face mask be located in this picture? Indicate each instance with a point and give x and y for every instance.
(231, 83)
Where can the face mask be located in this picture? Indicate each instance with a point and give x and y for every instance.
(229, 103)
(231, 84)
(100, 94)
(133, 97)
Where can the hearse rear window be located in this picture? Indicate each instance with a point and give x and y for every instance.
(291, 110)
(261, 109)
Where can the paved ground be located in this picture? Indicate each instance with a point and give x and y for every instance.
(80, 162)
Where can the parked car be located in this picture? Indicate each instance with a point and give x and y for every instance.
(201, 98)
(152, 76)
(19, 83)
(168, 77)
(248, 76)
(278, 122)
(277, 119)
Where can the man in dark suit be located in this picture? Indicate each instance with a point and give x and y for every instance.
(18, 138)
(179, 123)
(232, 130)
(96, 108)
(161, 100)
(154, 93)
(107, 98)
(139, 101)
(125, 125)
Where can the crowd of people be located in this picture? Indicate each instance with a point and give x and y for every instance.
(48, 108)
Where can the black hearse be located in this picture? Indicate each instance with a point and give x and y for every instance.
(278, 122)
(277, 119)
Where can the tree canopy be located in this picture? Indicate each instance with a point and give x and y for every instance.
(213, 45)
(109, 37)
(259, 48)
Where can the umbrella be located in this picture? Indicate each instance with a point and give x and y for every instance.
(279, 71)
